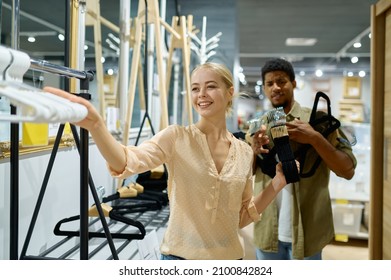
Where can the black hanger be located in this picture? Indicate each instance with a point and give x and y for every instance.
(108, 212)
(131, 199)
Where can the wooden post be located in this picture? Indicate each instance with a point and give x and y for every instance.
(94, 19)
(139, 22)
(179, 25)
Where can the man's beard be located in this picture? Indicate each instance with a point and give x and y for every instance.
(283, 104)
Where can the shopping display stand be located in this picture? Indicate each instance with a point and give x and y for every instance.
(83, 146)
(182, 27)
(148, 13)
(85, 176)
(94, 19)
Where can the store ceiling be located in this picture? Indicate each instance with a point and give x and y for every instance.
(262, 26)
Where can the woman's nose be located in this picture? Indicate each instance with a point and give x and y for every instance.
(202, 92)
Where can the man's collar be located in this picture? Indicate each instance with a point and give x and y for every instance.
(294, 113)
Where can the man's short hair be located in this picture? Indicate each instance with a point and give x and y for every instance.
(278, 64)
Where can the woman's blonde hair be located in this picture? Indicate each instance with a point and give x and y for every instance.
(223, 72)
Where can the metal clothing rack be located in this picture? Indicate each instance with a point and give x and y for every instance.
(14, 157)
(85, 178)
(85, 175)
(83, 145)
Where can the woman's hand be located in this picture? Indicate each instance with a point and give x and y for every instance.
(260, 138)
(279, 181)
(93, 118)
(110, 148)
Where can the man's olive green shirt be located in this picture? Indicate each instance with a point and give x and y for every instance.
(311, 214)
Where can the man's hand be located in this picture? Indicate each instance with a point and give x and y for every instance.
(301, 132)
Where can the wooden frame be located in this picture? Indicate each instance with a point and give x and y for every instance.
(67, 141)
(379, 229)
(321, 85)
(352, 87)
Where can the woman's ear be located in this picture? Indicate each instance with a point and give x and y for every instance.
(231, 91)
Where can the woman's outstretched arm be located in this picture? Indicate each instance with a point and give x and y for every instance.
(108, 146)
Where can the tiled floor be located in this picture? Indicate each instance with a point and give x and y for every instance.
(353, 249)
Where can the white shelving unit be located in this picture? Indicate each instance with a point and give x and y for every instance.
(347, 195)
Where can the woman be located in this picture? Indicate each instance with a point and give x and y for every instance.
(210, 179)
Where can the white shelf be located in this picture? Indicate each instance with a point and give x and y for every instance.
(362, 234)
(349, 195)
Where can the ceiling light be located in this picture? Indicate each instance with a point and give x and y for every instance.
(350, 74)
(361, 74)
(319, 73)
(302, 73)
(31, 39)
(61, 37)
(354, 59)
(300, 41)
(357, 45)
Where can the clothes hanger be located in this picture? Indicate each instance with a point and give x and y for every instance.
(124, 192)
(33, 104)
(110, 213)
(13, 67)
(130, 199)
(155, 184)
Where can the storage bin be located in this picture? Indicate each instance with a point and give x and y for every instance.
(347, 217)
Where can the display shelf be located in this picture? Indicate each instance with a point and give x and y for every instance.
(362, 234)
(356, 191)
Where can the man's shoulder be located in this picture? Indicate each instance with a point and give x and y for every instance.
(301, 112)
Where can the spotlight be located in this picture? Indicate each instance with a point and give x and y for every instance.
(319, 73)
(354, 59)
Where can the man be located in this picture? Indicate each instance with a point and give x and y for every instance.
(299, 222)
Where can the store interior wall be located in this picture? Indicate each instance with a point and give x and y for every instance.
(61, 199)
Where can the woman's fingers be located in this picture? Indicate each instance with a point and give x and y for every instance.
(67, 95)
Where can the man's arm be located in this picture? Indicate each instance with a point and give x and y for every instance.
(338, 161)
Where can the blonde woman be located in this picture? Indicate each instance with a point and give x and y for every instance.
(210, 178)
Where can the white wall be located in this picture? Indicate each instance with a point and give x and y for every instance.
(61, 198)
